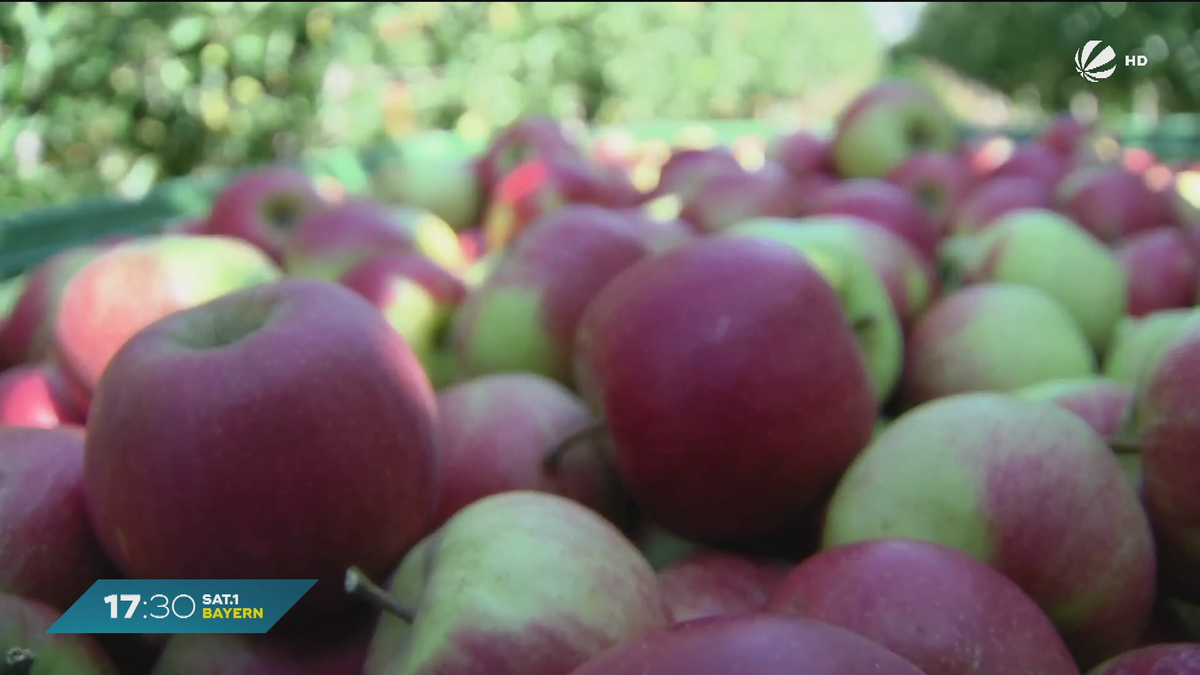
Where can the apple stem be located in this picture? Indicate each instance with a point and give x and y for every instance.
(361, 587)
(1122, 444)
(18, 661)
(553, 459)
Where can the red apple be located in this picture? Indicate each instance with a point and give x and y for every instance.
(1065, 135)
(474, 243)
(28, 334)
(726, 197)
(1100, 402)
(801, 153)
(1173, 659)
(1112, 203)
(988, 201)
(714, 584)
(942, 610)
(889, 205)
(50, 553)
(541, 186)
(526, 139)
(807, 191)
(937, 180)
(263, 206)
(685, 170)
(329, 243)
(495, 433)
(33, 395)
(741, 395)
(287, 421)
(760, 644)
(27, 649)
(1161, 270)
(200, 654)
(1034, 161)
(888, 123)
(133, 284)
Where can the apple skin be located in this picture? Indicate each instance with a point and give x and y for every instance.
(1172, 659)
(541, 186)
(215, 654)
(326, 245)
(1033, 161)
(942, 610)
(263, 206)
(741, 396)
(1044, 250)
(762, 644)
(686, 169)
(892, 207)
(304, 413)
(473, 241)
(132, 285)
(1112, 203)
(1065, 135)
(1161, 269)
(937, 180)
(888, 123)
(524, 315)
(23, 625)
(417, 297)
(27, 336)
(725, 197)
(1138, 343)
(33, 395)
(51, 554)
(1169, 434)
(495, 432)
(825, 241)
(979, 339)
(518, 583)
(715, 583)
(531, 137)
(986, 203)
(446, 186)
(1005, 480)
(1096, 400)
(801, 153)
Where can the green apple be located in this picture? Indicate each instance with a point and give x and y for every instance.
(829, 244)
(444, 185)
(1047, 251)
(518, 582)
(1138, 342)
(887, 124)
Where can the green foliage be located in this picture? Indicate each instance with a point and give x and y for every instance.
(1027, 48)
(115, 96)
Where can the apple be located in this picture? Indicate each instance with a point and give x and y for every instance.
(51, 555)
(893, 208)
(983, 153)
(942, 610)
(661, 547)
(937, 180)
(216, 654)
(528, 138)
(1007, 481)
(801, 153)
(1065, 135)
(1034, 161)
(686, 170)
(725, 197)
(992, 337)
(1161, 269)
(523, 316)
(714, 584)
(446, 186)
(288, 422)
(1171, 659)
(27, 336)
(29, 650)
(761, 644)
(541, 186)
(328, 244)
(1112, 203)
(263, 206)
(416, 296)
(474, 244)
(888, 123)
(1168, 435)
(827, 243)
(660, 228)
(33, 395)
(132, 285)
(808, 191)
(495, 431)
(986, 203)
(731, 383)
(517, 582)
(1138, 343)
(10, 290)
(1099, 401)
(1046, 251)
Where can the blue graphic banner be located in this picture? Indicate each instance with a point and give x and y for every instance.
(182, 606)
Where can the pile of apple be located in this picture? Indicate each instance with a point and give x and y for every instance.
(883, 403)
